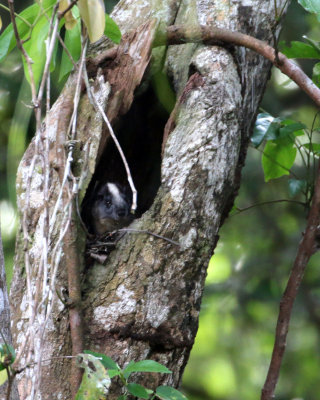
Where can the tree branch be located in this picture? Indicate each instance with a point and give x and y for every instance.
(175, 35)
(305, 251)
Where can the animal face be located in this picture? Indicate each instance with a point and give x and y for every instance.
(110, 208)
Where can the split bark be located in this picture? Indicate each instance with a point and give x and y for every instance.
(145, 302)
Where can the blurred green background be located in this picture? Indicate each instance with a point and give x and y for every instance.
(249, 270)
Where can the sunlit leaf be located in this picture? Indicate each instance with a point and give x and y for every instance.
(95, 380)
(93, 15)
(3, 376)
(0, 23)
(169, 393)
(278, 157)
(112, 30)
(7, 39)
(139, 391)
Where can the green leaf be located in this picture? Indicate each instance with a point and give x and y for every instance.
(7, 355)
(296, 186)
(266, 128)
(122, 397)
(146, 366)
(106, 361)
(313, 148)
(127, 374)
(7, 42)
(278, 157)
(114, 372)
(72, 41)
(299, 50)
(316, 74)
(7, 39)
(313, 6)
(169, 393)
(314, 43)
(36, 49)
(112, 30)
(95, 380)
(289, 127)
(139, 391)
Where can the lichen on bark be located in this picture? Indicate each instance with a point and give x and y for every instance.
(145, 302)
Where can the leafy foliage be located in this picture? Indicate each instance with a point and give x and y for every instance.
(312, 6)
(7, 357)
(299, 50)
(281, 147)
(103, 365)
(33, 26)
(169, 393)
(95, 380)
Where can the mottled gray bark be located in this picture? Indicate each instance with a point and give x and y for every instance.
(145, 302)
(5, 323)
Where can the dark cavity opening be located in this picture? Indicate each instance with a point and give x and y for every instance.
(140, 133)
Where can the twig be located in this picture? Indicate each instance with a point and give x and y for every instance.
(98, 107)
(16, 15)
(28, 61)
(62, 13)
(76, 98)
(52, 41)
(240, 210)
(305, 251)
(65, 48)
(129, 230)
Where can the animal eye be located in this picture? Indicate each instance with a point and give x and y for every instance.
(108, 203)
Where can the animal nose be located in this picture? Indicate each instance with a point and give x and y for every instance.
(122, 212)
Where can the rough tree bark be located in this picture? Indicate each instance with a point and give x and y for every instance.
(5, 323)
(145, 302)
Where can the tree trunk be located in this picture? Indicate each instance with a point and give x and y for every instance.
(5, 324)
(145, 301)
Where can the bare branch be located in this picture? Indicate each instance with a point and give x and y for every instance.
(263, 203)
(305, 251)
(210, 35)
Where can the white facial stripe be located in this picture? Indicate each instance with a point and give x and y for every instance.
(116, 195)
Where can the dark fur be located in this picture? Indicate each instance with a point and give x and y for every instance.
(110, 209)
